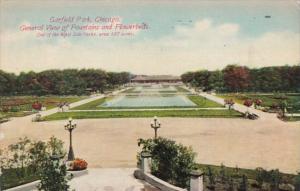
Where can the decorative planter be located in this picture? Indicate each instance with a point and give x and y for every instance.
(78, 173)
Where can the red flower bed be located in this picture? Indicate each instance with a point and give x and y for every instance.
(14, 102)
(258, 102)
(37, 106)
(5, 109)
(248, 102)
(79, 164)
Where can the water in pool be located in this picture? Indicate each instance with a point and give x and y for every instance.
(151, 96)
(149, 101)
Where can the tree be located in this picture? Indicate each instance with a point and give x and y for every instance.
(236, 78)
(72, 83)
(28, 84)
(201, 77)
(7, 83)
(116, 79)
(50, 80)
(215, 81)
(187, 77)
(95, 79)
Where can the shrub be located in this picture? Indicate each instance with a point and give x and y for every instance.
(243, 186)
(5, 109)
(211, 178)
(275, 179)
(260, 176)
(223, 173)
(14, 109)
(24, 161)
(53, 175)
(171, 162)
(37, 154)
(297, 182)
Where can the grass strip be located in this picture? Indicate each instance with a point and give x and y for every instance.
(137, 114)
(202, 102)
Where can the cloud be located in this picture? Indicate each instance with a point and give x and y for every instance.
(204, 45)
(11, 36)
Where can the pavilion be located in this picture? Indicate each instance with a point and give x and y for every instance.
(156, 79)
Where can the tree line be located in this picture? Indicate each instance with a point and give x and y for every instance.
(60, 82)
(235, 78)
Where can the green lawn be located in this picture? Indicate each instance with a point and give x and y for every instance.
(136, 114)
(297, 118)
(9, 178)
(202, 102)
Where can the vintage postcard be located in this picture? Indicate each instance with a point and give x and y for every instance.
(147, 95)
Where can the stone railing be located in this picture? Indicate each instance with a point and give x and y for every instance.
(196, 179)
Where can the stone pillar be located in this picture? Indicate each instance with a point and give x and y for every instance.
(146, 157)
(196, 181)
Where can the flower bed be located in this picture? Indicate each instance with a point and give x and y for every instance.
(77, 165)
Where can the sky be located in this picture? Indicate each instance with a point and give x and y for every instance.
(181, 35)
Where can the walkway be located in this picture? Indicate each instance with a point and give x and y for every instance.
(109, 179)
(241, 108)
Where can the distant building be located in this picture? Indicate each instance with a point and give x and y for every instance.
(156, 79)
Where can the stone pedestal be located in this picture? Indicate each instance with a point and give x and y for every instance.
(146, 158)
(196, 181)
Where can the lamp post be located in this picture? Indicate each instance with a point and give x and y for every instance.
(70, 127)
(155, 124)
